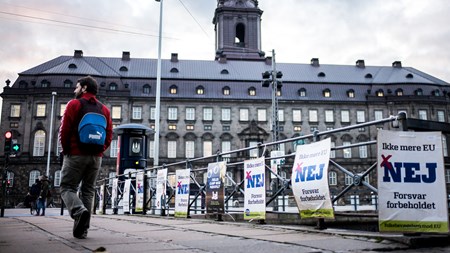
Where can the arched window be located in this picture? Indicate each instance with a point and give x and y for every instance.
(224, 72)
(399, 92)
(72, 66)
(226, 91)
(39, 143)
(174, 70)
(380, 93)
(34, 174)
(327, 93)
(68, 83)
(240, 35)
(173, 89)
(321, 74)
(123, 68)
(45, 84)
(419, 92)
(200, 90)
(146, 89)
(302, 92)
(252, 91)
(113, 86)
(368, 75)
(351, 93)
(436, 93)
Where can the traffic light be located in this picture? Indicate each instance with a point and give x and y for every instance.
(8, 140)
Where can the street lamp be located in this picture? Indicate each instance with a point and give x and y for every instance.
(271, 78)
(158, 89)
(50, 135)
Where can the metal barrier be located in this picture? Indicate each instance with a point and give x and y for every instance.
(279, 197)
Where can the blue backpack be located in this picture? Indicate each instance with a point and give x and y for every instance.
(92, 127)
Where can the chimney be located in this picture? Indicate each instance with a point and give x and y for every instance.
(125, 56)
(269, 60)
(360, 64)
(315, 62)
(174, 57)
(397, 64)
(78, 54)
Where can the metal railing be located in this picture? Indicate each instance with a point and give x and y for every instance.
(279, 195)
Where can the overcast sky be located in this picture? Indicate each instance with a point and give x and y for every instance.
(416, 32)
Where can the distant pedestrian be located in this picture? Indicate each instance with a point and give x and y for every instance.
(81, 163)
(42, 198)
(34, 193)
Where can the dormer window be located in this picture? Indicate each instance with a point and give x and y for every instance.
(173, 89)
(146, 89)
(409, 76)
(351, 93)
(224, 72)
(68, 84)
(380, 93)
(200, 90)
(123, 68)
(72, 66)
(226, 91)
(252, 91)
(45, 84)
(368, 75)
(113, 86)
(327, 93)
(302, 92)
(399, 92)
(321, 74)
(436, 93)
(174, 70)
(419, 92)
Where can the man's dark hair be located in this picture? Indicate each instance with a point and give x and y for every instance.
(90, 83)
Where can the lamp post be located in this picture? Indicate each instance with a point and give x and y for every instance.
(50, 136)
(271, 78)
(158, 89)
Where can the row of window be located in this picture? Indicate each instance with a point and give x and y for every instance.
(200, 90)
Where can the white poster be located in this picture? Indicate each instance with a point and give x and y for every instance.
(101, 199)
(255, 190)
(115, 182)
(161, 186)
(411, 182)
(126, 196)
(310, 180)
(183, 179)
(139, 192)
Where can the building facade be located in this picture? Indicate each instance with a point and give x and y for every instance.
(218, 105)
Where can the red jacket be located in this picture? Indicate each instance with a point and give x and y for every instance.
(69, 127)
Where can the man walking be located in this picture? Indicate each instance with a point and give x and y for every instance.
(82, 160)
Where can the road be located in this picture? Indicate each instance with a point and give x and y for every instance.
(21, 232)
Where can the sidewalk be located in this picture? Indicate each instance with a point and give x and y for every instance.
(22, 232)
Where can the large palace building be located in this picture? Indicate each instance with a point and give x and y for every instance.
(217, 105)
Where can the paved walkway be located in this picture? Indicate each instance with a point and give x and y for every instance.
(22, 232)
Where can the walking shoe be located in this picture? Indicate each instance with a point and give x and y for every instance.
(79, 225)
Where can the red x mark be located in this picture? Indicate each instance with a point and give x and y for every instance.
(249, 176)
(179, 184)
(385, 162)
(299, 167)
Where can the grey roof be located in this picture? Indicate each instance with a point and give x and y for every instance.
(239, 75)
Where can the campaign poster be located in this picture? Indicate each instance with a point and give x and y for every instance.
(126, 196)
(215, 190)
(115, 183)
(275, 163)
(161, 186)
(183, 179)
(139, 192)
(255, 190)
(310, 180)
(411, 182)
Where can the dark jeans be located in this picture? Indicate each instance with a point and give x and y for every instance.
(76, 170)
